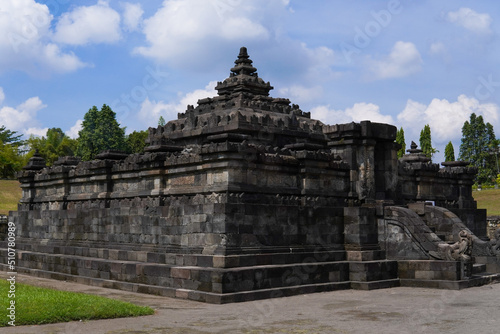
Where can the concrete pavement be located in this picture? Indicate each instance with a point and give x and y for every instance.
(396, 310)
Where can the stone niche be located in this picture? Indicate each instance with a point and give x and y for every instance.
(242, 197)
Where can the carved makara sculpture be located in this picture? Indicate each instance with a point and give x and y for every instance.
(495, 244)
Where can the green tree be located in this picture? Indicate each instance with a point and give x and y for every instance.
(400, 139)
(478, 143)
(9, 137)
(161, 121)
(11, 160)
(449, 152)
(136, 141)
(426, 141)
(55, 145)
(100, 131)
(11, 155)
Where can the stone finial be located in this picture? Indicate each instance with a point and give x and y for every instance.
(243, 64)
(36, 162)
(243, 55)
(415, 155)
(413, 148)
(243, 79)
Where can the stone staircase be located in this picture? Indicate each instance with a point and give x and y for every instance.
(369, 270)
(207, 278)
(481, 277)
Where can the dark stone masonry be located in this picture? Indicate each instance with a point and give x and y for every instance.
(246, 197)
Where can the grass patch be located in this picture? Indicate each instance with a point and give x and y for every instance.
(36, 306)
(488, 199)
(10, 194)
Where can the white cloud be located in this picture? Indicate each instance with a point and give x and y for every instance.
(445, 118)
(233, 29)
(23, 117)
(89, 24)
(25, 40)
(403, 60)
(197, 34)
(73, 131)
(320, 61)
(59, 61)
(437, 48)
(330, 116)
(181, 31)
(413, 115)
(2, 95)
(38, 132)
(301, 94)
(359, 112)
(152, 110)
(22, 21)
(132, 15)
(471, 20)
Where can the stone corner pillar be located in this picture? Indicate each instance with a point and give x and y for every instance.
(361, 234)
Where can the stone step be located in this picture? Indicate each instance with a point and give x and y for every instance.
(492, 262)
(483, 279)
(208, 279)
(202, 296)
(371, 255)
(368, 271)
(382, 284)
(128, 253)
(434, 284)
(478, 268)
(475, 280)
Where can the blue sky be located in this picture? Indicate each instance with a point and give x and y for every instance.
(408, 63)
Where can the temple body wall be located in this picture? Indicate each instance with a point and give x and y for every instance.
(222, 199)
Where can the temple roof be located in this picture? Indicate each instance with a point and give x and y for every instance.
(243, 107)
(243, 79)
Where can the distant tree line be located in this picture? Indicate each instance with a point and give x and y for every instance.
(100, 131)
(479, 147)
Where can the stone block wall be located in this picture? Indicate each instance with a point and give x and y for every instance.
(430, 270)
(221, 198)
(371, 154)
(449, 187)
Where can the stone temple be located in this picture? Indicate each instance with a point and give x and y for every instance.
(244, 197)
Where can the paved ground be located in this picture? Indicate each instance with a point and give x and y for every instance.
(397, 310)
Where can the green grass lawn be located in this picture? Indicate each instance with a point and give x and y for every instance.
(488, 199)
(36, 306)
(10, 194)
